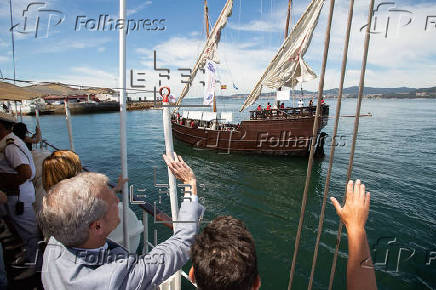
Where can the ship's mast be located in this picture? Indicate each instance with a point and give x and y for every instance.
(288, 18)
(206, 18)
(206, 23)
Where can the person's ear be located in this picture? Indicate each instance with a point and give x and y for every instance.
(257, 283)
(191, 275)
(96, 226)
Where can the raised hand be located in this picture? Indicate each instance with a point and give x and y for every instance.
(179, 168)
(355, 211)
(120, 184)
(360, 269)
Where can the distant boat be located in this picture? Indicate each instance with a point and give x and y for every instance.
(280, 131)
(86, 107)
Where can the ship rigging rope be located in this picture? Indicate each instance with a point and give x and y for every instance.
(333, 144)
(12, 36)
(313, 141)
(353, 146)
(356, 129)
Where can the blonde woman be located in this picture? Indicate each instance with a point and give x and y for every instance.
(60, 165)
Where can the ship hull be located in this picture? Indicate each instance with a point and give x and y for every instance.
(290, 136)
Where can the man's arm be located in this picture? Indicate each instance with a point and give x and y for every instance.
(12, 180)
(17, 160)
(168, 257)
(360, 269)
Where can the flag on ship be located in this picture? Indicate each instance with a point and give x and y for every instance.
(210, 78)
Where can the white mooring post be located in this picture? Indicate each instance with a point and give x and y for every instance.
(69, 126)
(123, 127)
(169, 150)
(37, 123)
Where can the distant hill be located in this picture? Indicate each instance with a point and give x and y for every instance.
(402, 92)
(371, 91)
(427, 90)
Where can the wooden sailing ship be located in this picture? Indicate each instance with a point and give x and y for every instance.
(285, 131)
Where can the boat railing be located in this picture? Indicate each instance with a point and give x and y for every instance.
(286, 113)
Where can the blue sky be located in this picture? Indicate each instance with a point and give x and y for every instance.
(406, 57)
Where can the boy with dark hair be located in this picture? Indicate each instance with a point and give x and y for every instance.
(224, 257)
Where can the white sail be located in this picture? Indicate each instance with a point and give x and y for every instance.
(210, 47)
(288, 68)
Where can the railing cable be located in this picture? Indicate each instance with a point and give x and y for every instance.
(356, 129)
(312, 147)
(333, 144)
(12, 37)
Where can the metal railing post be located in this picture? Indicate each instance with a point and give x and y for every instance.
(123, 129)
(145, 233)
(69, 126)
(169, 150)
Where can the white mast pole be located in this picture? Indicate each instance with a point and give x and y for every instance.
(169, 150)
(123, 135)
(21, 113)
(16, 110)
(69, 126)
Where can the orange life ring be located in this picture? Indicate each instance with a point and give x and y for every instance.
(161, 92)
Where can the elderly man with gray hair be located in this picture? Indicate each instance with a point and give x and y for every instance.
(79, 214)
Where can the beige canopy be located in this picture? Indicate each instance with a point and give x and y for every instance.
(12, 92)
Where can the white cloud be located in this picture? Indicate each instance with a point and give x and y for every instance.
(258, 26)
(89, 76)
(3, 43)
(17, 7)
(241, 63)
(70, 43)
(4, 59)
(267, 21)
(138, 8)
(404, 57)
(195, 33)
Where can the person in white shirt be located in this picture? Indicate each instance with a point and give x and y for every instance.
(16, 173)
(300, 103)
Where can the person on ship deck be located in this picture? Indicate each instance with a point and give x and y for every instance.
(17, 170)
(20, 130)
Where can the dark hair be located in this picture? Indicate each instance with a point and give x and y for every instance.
(224, 256)
(7, 125)
(20, 130)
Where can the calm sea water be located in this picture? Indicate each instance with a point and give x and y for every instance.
(395, 158)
